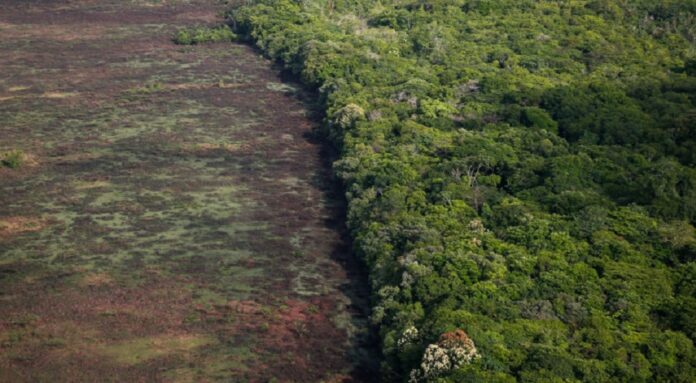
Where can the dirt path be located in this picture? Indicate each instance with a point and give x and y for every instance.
(172, 220)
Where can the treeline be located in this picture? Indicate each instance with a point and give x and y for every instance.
(521, 170)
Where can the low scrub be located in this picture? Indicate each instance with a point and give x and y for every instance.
(200, 35)
(12, 159)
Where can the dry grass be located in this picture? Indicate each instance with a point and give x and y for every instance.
(11, 226)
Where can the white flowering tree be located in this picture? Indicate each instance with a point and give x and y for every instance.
(453, 350)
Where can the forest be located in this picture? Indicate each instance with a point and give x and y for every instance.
(520, 178)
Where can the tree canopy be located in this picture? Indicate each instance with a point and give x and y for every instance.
(520, 170)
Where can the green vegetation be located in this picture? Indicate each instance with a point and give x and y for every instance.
(522, 170)
(200, 35)
(138, 350)
(12, 159)
(149, 88)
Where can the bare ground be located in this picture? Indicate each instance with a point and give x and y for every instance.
(175, 222)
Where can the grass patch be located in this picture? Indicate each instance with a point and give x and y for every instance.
(149, 88)
(143, 349)
(10, 226)
(200, 35)
(12, 159)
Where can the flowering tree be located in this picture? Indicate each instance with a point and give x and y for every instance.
(454, 350)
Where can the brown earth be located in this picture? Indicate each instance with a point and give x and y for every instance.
(177, 222)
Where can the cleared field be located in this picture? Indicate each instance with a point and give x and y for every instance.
(173, 217)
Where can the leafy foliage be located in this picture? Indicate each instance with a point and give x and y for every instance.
(519, 169)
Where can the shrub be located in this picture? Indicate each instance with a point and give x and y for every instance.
(12, 159)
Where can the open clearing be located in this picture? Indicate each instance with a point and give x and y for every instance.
(176, 221)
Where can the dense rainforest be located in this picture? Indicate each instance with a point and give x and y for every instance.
(520, 177)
